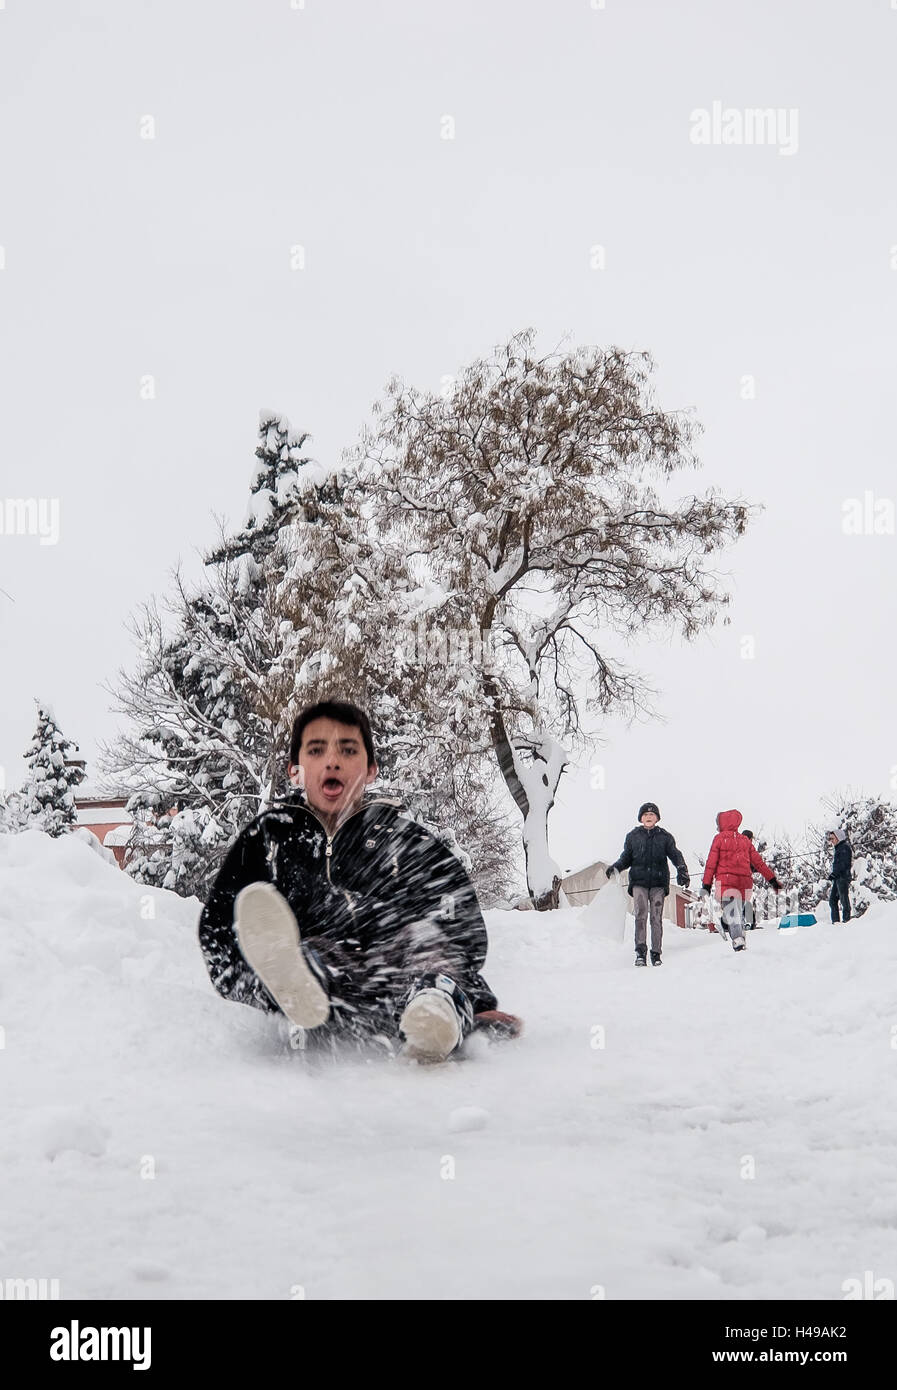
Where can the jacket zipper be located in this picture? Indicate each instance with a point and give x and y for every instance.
(328, 851)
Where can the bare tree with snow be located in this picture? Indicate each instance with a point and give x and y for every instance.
(365, 624)
(528, 497)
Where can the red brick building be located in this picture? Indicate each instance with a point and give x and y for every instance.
(106, 817)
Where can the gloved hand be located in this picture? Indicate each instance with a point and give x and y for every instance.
(705, 890)
(774, 883)
(682, 878)
(612, 873)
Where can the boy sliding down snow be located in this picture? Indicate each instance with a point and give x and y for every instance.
(732, 861)
(337, 911)
(646, 850)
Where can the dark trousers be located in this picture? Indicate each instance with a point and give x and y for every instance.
(840, 896)
(369, 988)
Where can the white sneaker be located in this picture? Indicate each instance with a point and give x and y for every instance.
(268, 934)
(430, 1026)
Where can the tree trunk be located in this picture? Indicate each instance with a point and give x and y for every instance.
(533, 791)
(544, 902)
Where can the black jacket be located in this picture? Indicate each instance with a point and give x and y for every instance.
(379, 900)
(645, 855)
(843, 860)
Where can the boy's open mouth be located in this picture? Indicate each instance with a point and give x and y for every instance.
(332, 787)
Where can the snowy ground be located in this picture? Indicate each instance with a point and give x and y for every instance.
(625, 1166)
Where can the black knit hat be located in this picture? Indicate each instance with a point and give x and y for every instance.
(649, 806)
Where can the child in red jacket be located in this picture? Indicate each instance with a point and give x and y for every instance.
(731, 862)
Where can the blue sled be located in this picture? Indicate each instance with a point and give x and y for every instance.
(798, 919)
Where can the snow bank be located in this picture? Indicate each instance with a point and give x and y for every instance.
(715, 1129)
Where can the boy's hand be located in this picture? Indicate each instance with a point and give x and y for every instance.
(705, 890)
(774, 883)
(612, 874)
(682, 878)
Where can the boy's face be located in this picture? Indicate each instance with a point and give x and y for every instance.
(333, 766)
(649, 819)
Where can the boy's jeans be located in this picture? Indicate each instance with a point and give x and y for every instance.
(643, 900)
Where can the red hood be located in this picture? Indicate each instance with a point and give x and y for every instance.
(728, 820)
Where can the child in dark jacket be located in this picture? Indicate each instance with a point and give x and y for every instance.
(646, 850)
(339, 912)
(840, 875)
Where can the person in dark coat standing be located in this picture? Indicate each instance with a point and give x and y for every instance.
(339, 912)
(840, 875)
(646, 852)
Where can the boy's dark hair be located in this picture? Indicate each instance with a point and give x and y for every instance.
(343, 713)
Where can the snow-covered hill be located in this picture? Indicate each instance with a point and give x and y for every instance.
(158, 1142)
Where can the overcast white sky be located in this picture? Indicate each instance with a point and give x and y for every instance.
(320, 126)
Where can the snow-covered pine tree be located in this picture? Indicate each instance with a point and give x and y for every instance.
(48, 793)
(526, 497)
(210, 702)
(286, 486)
(172, 849)
(238, 658)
